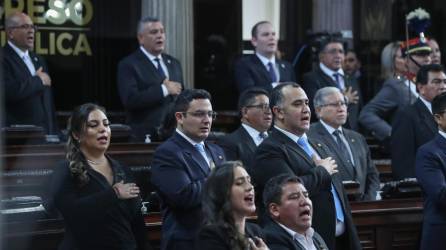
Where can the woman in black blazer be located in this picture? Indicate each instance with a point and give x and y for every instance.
(228, 198)
(96, 196)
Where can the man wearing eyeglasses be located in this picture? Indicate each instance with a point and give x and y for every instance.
(27, 85)
(256, 118)
(180, 167)
(329, 72)
(350, 149)
(414, 125)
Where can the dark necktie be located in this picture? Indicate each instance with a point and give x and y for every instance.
(338, 83)
(271, 72)
(341, 146)
(303, 143)
(263, 135)
(159, 68)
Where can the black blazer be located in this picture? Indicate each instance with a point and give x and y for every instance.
(238, 145)
(94, 216)
(27, 100)
(278, 154)
(215, 237)
(317, 79)
(412, 127)
(431, 174)
(178, 174)
(139, 87)
(279, 239)
(250, 72)
(364, 170)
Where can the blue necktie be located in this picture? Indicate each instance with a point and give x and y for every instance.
(303, 143)
(159, 68)
(200, 148)
(271, 72)
(338, 83)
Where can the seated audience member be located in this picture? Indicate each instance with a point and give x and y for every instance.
(256, 119)
(378, 114)
(263, 69)
(148, 81)
(349, 148)
(99, 202)
(329, 72)
(290, 213)
(228, 199)
(430, 171)
(288, 150)
(414, 125)
(180, 167)
(26, 83)
(436, 52)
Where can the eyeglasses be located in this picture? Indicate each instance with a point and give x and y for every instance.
(262, 106)
(202, 114)
(334, 51)
(25, 27)
(438, 81)
(335, 104)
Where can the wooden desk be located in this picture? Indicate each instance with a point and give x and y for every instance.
(382, 225)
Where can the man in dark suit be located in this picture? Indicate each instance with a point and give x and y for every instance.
(290, 211)
(329, 72)
(431, 174)
(256, 119)
(262, 69)
(180, 167)
(288, 150)
(378, 114)
(350, 149)
(414, 125)
(148, 81)
(27, 85)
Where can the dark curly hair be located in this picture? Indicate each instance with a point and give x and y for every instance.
(217, 207)
(75, 127)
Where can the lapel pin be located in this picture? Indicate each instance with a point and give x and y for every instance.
(282, 65)
(319, 145)
(168, 61)
(220, 157)
(353, 140)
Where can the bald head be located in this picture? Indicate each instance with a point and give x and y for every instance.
(20, 30)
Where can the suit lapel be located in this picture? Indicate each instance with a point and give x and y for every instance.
(17, 59)
(426, 117)
(192, 154)
(291, 145)
(247, 138)
(282, 69)
(260, 67)
(325, 78)
(354, 147)
(216, 158)
(328, 139)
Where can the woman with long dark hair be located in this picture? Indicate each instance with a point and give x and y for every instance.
(228, 199)
(96, 196)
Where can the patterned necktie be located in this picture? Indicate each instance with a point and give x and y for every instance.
(338, 83)
(271, 72)
(159, 68)
(341, 146)
(263, 135)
